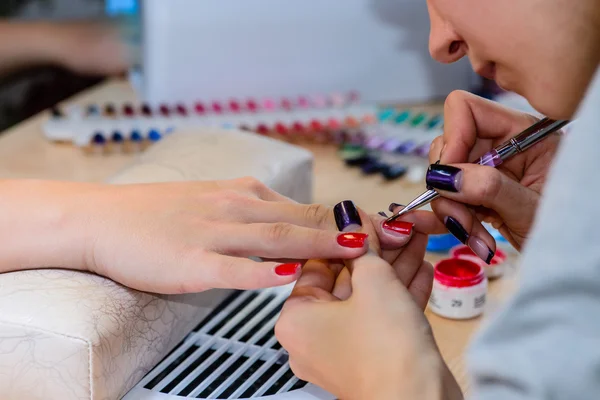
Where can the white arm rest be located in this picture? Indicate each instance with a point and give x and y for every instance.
(69, 335)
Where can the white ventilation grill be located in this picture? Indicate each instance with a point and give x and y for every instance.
(232, 354)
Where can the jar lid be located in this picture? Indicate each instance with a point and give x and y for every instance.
(462, 250)
(458, 273)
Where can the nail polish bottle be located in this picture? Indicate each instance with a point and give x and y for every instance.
(459, 289)
(496, 268)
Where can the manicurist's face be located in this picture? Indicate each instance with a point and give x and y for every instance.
(544, 50)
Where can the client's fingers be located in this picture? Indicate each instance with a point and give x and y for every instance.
(224, 272)
(285, 240)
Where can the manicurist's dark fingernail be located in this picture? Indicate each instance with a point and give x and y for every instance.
(455, 228)
(347, 217)
(393, 206)
(444, 177)
(477, 245)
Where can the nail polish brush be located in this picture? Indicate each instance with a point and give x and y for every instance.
(494, 158)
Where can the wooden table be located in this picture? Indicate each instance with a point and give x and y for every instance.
(26, 154)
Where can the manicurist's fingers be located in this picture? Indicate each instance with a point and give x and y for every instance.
(461, 222)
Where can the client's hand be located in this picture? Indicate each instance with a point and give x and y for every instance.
(365, 336)
(188, 237)
(180, 237)
(507, 196)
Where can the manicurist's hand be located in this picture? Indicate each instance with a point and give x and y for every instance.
(89, 48)
(506, 196)
(364, 335)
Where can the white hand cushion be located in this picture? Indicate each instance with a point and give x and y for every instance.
(69, 335)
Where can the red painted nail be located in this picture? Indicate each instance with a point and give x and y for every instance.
(287, 269)
(401, 227)
(352, 240)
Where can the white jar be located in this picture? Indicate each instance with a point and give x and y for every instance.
(459, 289)
(495, 269)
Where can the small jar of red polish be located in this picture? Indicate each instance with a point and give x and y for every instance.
(459, 289)
(494, 270)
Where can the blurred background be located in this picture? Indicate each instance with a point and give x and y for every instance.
(40, 80)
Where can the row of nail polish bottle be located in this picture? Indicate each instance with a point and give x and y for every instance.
(119, 141)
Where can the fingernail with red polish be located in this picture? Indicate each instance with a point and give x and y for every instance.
(399, 227)
(352, 240)
(287, 269)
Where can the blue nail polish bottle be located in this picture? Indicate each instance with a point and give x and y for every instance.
(406, 147)
(117, 137)
(154, 135)
(402, 117)
(386, 114)
(93, 109)
(394, 172)
(435, 121)
(99, 139)
(136, 136)
(372, 166)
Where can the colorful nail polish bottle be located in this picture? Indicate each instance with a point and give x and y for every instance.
(402, 117)
(497, 264)
(459, 289)
(200, 108)
(269, 105)
(319, 101)
(136, 136)
(92, 110)
(164, 110)
(337, 100)
(298, 127)
(406, 147)
(181, 110)
(117, 137)
(252, 106)
(99, 139)
(146, 110)
(109, 110)
(353, 97)
(395, 171)
(154, 135)
(98, 143)
(281, 129)
(262, 129)
(217, 108)
(234, 106)
(418, 120)
(128, 110)
(386, 114)
(435, 122)
(303, 102)
(286, 105)
(373, 166)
